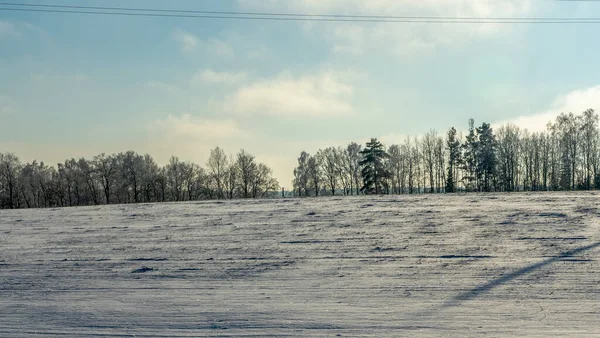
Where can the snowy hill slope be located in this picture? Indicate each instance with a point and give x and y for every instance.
(427, 265)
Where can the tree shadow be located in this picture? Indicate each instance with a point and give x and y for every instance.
(475, 292)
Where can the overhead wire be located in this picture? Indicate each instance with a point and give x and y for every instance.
(233, 15)
(236, 13)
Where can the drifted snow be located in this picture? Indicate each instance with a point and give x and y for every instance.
(427, 265)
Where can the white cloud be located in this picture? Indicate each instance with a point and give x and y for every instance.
(400, 38)
(18, 30)
(219, 47)
(190, 43)
(188, 127)
(285, 95)
(257, 52)
(576, 102)
(8, 29)
(163, 87)
(226, 78)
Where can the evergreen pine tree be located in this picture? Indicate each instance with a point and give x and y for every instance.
(469, 158)
(374, 171)
(453, 145)
(486, 165)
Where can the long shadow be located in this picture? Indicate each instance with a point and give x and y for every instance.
(473, 293)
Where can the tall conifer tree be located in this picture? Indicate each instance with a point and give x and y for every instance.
(374, 172)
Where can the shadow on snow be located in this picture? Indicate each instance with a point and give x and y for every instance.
(474, 293)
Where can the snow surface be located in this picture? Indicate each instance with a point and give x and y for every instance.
(401, 266)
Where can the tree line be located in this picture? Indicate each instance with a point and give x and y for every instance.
(565, 156)
(129, 177)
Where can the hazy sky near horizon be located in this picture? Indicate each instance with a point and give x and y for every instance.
(78, 85)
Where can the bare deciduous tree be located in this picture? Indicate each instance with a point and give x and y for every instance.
(217, 168)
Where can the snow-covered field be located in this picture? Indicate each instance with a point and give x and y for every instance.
(428, 265)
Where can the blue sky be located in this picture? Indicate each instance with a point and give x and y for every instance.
(78, 85)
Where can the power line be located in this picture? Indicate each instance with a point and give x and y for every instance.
(301, 15)
(170, 13)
